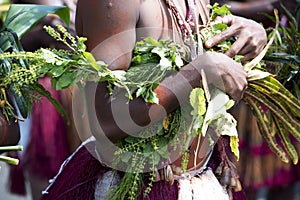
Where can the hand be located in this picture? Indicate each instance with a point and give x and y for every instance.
(250, 36)
(224, 73)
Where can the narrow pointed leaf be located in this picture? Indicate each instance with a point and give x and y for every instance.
(22, 17)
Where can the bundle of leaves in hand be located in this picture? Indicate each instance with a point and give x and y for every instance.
(276, 109)
(284, 61)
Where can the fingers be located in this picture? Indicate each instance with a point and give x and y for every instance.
(238, 92)
(227, 19)
(251, 50)
(235, 86)
(224, 35)
(236, 47)
(248, 56)
(251, 37)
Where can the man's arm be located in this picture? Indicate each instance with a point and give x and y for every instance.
(110, 29)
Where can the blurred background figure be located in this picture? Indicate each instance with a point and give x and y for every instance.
(49, 139)
(263, 174)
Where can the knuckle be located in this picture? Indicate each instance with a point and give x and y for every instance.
(231, 52)
(243, 23)
(250, 36)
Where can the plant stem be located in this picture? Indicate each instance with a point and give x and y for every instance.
(12, 148)
(9, 160)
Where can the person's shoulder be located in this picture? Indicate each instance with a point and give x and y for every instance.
(110, 4)
(108, 9)
(98, 20)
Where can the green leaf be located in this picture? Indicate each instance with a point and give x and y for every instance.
(234, 145)
(156, 158)
(57, 71)
(65, 80)
(119, 74)
(81, 46)
(165, 64)
(151, 97)
(217, 109)
(230, 104)
(22, 17)
(197, 101)
(197, 125)
(3, 2)
(126, 156)
(91, 60)
(140, 91)
(218, 28)
(224, 124)
(130, 139)
(48, 55)
(152, 41)
(42, 91)
(159, 51)
(164, 153)
(21, 102)
(219, 11)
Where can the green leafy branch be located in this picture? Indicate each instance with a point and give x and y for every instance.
(276, 108)
(65, 68)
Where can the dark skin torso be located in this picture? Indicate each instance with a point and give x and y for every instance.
(127, 20)
(130, 15)
(142, 17)
(113, 27)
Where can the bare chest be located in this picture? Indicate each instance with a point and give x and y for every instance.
(155, 19)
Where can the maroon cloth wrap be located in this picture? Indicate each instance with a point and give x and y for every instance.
(16, 181)
(80, 172)
(48, 145)
(77, 178)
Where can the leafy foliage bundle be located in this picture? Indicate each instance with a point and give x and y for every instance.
(276, 109)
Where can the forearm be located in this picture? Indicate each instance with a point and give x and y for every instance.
(119, 117)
